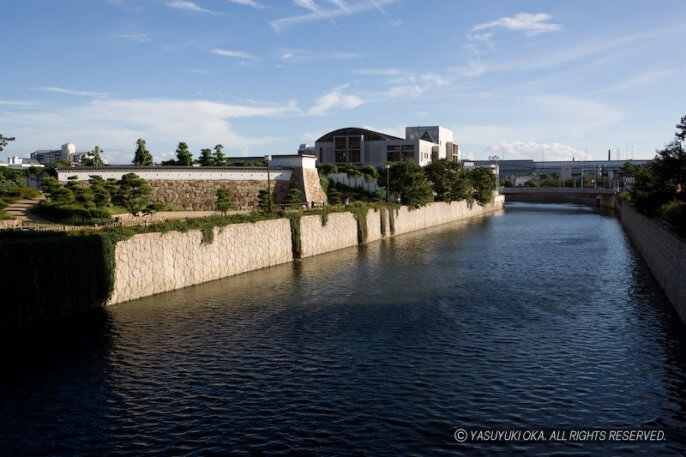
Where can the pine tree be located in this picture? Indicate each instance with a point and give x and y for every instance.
(142, 157)
(206, 159)
(183, 155)
(219, 159)
(4, 140)
(224, 200)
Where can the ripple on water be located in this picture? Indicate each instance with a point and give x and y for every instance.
(542, 317)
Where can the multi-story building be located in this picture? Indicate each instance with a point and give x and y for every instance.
(421, 145)
(67, 153)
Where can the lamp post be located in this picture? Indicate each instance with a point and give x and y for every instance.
(388, 183)
(268, 159)
(497, 170)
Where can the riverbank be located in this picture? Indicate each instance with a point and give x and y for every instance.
(662, 249)
(55, 275)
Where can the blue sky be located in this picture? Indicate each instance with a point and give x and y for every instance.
(521, 79)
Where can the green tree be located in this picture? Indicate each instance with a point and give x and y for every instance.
(95, 160)
(101, 194)
(224, 200)
(57, 193)
(483, 184)
(409, 182)
(183, 155)
(142, 156)
(293, 198)
(4, 140)
(85, 197)
(265, 202)
(333, 196)
(444, 176)
(206, 159)
(134, 193)
(219, 158)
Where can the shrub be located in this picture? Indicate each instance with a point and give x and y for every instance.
(294, 198)
(224, 200)
(674, 212)
(533, 183)
(334, 196)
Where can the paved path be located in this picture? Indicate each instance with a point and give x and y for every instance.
(20, 210)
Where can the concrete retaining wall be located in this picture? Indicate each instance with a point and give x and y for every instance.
(152, 263)
(663, 250)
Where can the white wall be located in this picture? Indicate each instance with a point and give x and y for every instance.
(178, 173)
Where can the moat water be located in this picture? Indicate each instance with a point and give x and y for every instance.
(540, 317)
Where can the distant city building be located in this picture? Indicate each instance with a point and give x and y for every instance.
(421, 146)
(65, 154)
(563, 168)
(20, 163)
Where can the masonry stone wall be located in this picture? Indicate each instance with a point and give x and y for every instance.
(339, 232)
(407, 219)
(663, 250)
(151, 263)
(196, 195)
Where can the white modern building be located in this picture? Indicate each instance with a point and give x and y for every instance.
(20, 163)
(421, 146)
(67, 153)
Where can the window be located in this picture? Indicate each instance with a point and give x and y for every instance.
(348, 148)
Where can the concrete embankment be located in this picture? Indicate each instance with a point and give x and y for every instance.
(152, 263)
(663, 250)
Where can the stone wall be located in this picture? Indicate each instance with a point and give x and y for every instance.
(663, 250)
(339, 232)
(151, 263)
(196, 195)
(410, 219)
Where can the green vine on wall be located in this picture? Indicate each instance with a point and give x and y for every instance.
(296, 244)
(360, 214)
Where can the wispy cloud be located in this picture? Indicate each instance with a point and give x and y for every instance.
(80, 93)
(294, 55)
(115, 124)
(380, 72)
(533, 150)
(251, 3)
(187, 5)
(642, 79)
(530, 24)
(235, 54)
(334, 99)
(415, 85)
(139, 37)
(317, 12)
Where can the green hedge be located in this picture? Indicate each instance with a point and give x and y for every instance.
(49, 275)
(73, 214)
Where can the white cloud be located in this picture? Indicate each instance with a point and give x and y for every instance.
(530, 24)
(334, 99)
(251, 3)
(380, 72)
(80, 93)
(295, 55)
(317, 12)
(641, 79)
(473, 69)
(139, 37)
(414, 85)
(236, 54)
(576, 116)
(116, 124)
(186, 5)
(530, 150)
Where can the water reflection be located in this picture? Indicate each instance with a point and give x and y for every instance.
(541, 316)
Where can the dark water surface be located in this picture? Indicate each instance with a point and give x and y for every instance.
(540, 317)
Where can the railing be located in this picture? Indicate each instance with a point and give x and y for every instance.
(557, 190)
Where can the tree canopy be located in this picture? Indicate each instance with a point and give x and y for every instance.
(183, 155)
(4, 140)
(409, 182)
(142, 156)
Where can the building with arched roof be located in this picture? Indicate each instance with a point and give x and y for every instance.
(355, 145)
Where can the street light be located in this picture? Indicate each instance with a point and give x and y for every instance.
(388, 183)
(497, 170)
(268, 158)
